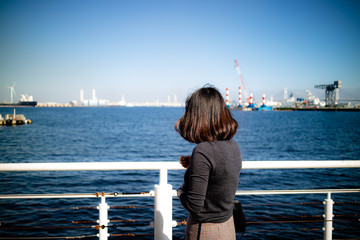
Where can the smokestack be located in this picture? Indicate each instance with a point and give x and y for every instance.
(94, 94)
(227, 97)
(81, 95)
(240, 97)
(285, 94)
(263, 100)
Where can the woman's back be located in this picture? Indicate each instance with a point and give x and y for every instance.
(217, 165)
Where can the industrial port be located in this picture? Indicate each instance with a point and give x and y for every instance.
(332, 101)
(245, 100)
(289, 102)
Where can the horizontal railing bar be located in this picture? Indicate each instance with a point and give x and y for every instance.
(89, 166)
(152, 194)
(301, 164)
(72, 195)
(305, 191)
(31, 196)
(111, 166)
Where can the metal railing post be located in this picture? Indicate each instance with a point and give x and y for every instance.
(163, 208)
(103, 219)
(328, 217)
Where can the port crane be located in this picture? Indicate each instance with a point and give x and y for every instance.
(331, 92)
(242, 81)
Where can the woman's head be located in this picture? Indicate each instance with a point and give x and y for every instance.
(206, 117)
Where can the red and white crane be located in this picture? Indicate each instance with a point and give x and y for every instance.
(242, 81)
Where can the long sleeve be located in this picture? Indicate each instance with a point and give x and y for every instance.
(211, 181)
(196, 183)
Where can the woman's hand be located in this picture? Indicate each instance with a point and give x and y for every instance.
(180, 190)
(185, 161)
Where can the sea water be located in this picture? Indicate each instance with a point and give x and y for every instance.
(147, 134)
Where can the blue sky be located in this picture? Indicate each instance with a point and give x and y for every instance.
(148, 50)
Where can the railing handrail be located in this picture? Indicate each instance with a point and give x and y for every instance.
(164, 193)
(110, 166)
(174, 194)
(299, 191)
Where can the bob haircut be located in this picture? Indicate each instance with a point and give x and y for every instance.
(206, 117)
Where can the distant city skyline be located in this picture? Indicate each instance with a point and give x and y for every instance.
(148, 50)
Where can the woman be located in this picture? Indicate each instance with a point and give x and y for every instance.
(213, 170)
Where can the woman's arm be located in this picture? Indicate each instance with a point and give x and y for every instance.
(193, 199)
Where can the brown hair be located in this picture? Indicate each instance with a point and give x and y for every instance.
(206, 117)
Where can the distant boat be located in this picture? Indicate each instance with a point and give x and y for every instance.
(25, 101)
(20, 104)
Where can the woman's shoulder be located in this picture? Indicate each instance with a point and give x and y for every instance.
(212, 146)
(204, 146)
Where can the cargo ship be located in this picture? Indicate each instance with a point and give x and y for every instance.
(25, 101)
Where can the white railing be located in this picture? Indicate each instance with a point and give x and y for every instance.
(163, 192)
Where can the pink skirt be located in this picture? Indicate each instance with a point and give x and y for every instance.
(210, 231)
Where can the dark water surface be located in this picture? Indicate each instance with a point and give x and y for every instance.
(147, 134)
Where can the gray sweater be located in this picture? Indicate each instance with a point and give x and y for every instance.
(211, 181)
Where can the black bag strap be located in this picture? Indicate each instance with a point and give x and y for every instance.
(199, 231)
